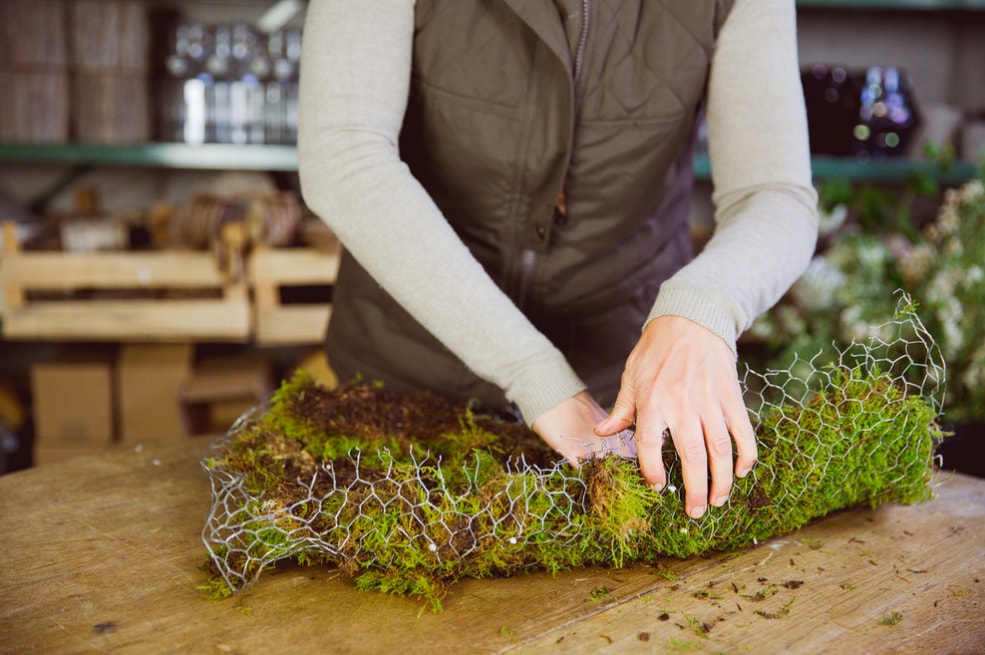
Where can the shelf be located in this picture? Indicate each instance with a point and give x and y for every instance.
(889, 170)
(209, 156)
(886, 170)
(218, 156)
(926, 5)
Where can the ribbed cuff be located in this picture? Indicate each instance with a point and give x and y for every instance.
(544, 386)
(699, 306)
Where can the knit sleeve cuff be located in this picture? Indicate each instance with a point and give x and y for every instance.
(539, 388)
(699, 305)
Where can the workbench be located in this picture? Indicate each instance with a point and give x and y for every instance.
(102, 554)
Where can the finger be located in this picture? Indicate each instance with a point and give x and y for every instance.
(650, 439)
(621, 417)
(738, 424)
(719, 447)
(690, 443)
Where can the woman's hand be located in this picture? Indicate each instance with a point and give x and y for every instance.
(681, 378)
(569, 427)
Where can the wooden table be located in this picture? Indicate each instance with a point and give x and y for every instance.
(100, 554)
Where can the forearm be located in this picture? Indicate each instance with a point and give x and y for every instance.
(759, 249)
(766, 216)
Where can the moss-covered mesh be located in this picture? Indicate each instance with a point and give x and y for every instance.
(409, 493)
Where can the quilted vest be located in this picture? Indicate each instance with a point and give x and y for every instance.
(503, 116)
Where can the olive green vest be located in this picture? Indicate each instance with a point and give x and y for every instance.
(497, 125)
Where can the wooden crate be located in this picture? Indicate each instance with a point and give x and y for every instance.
(163, 296)
(270, 271)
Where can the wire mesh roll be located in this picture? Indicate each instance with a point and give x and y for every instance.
(407, 502)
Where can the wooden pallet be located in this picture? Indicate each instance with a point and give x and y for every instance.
(270, 271)
(146, 279)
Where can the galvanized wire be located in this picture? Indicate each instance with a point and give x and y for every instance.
(365, 517)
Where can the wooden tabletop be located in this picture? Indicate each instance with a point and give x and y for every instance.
(101, 554)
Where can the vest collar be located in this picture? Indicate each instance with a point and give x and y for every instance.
(541, 16)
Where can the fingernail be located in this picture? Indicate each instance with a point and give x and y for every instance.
(742, 472)
(657, 486)
(718, 501)
(697, 512)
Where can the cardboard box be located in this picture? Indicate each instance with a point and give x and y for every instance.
(148, 377)
(221, 389)
(72, 402)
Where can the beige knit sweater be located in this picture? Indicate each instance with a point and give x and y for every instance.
(354, 85)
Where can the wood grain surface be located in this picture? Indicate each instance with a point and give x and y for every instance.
(101, 554)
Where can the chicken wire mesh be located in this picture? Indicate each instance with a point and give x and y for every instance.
(303, 477)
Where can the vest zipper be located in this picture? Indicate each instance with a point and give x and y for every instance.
(528, 256)
(583, 37)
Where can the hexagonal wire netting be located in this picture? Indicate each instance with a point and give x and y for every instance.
(413, 513)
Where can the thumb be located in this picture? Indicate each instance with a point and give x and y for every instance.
(621, 417)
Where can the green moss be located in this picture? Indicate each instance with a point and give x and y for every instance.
(215, 589)
(420, 584)
(893, 618)
(681, 646)
(599, 593)
(408, 513)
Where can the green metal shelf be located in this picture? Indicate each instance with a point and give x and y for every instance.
(218, 156)
(160, 155)
(889, 170)
(885, 170)
(926, 5)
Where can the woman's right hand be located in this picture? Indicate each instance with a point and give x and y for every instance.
(569, 428)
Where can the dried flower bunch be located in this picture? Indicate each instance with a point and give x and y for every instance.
(849, 287)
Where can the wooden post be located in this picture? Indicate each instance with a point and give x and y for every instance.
(266, 291)
(274, 269)
(13, 294)
(232, 245)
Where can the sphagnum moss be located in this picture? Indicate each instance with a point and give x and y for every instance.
(409, 493)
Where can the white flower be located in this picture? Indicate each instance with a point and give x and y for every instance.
(973, 276)
(941, 287)
(947, 220)
(816, 288)
(915, 263)
(951, 318)
(853, 326)
(872, 256)
(971, 191)
(830, 222)
(974, 375)
(790, 320)
(762, 328)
